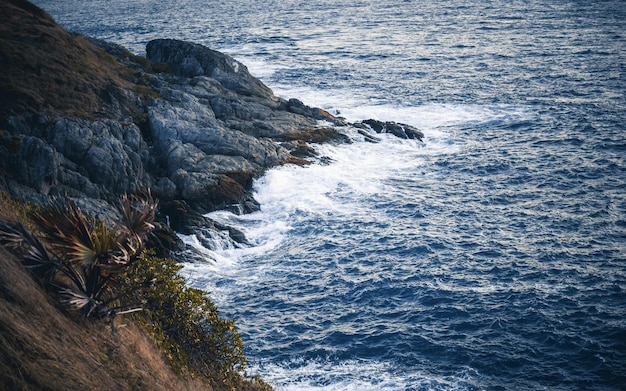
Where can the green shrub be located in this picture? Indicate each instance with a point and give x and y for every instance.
(184, 321)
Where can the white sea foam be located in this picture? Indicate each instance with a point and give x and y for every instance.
(356, 171)
(193, 242)
(355, 107)
(350, 375)
(290, 195)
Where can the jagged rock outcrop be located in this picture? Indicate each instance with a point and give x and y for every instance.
(397, 129)
(189, 60)
(188, 122)
(198, 134)
(217, 127)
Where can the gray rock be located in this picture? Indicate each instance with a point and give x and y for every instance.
(189, 60)
(199, 145)
(109, 152)
(97, 159)
(37, 164)
(397, 129)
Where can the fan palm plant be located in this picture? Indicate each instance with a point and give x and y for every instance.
(81, 240)
(137, 219)
(82, 256)
(137, 213)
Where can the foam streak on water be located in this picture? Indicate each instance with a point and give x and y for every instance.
(490, 257)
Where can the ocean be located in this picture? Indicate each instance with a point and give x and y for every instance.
(490, 256)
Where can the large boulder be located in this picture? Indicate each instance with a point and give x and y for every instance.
(189, 60)
(397, 129)
(225, 87)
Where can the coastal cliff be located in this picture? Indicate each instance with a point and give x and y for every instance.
(91, 120)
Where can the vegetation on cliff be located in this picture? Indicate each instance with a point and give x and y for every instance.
(46, 69)
(85, 121)
(94, 272)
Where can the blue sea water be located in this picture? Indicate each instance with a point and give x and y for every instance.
(492, 256)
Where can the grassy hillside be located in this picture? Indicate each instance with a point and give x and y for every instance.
(41, 348)
(46, 69)
(178, 341)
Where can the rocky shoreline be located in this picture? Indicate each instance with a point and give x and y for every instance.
(189, 123)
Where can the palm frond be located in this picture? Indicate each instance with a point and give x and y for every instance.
(12, 235)
(66, 229)
(79, 239)
(108, 247)
(79, 301)
(75, 298)
(138, 212)
(34, 255)
(61, 217)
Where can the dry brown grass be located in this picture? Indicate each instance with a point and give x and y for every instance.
(43, 349)
(47, 69)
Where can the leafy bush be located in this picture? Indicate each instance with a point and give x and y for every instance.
(184, 321)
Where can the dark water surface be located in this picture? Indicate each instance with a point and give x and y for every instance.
(492, 256)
